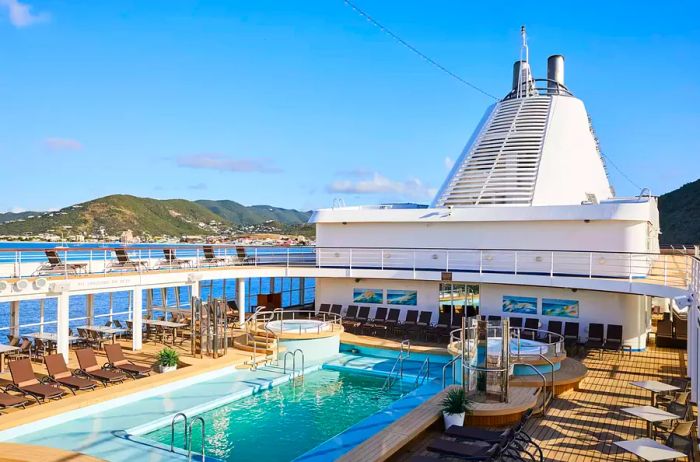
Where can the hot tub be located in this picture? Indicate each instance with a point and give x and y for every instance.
(299, 326)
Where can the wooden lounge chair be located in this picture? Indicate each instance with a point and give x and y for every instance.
(117, 360)
(90, 368)
(409, 323)
(61, 375)
(8, 400)
(361, 318)
(125, 262)
(242, 258)
(56, 265)
(210, 257)
(170, 260)
(24, 381)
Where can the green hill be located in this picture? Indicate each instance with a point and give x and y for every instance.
(678, 212)
(255, 214)
(173, 217)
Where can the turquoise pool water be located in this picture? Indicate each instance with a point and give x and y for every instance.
(284, 422)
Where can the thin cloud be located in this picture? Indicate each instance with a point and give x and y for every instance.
(378, 184)
(21, 14)
(229, 164)
(62, 144)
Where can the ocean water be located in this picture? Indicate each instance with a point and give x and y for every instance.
(29, 312)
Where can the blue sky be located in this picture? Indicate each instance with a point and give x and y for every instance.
(296, 103)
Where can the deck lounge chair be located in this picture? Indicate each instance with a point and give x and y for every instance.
(336, 309)
(210, 257)
(680, 328)
(24, 381)
(61, 375)
(465, 451)
(494, 318)
(361, 318)
(117, 360)
(613, 341)
(423, 323)
(8, 400)
(170, 260)
(571, 337)
(595, 338)
(441, 329)
(323, 310)
(554, 327)
(516, 321)
(56, 265)
(392, 320)
(90, 368)
(410, 322)
(243, 258)
(125, 262)
(376, 324)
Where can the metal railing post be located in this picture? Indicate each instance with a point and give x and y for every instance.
(516, 263)
(551, 266)
(590, 265)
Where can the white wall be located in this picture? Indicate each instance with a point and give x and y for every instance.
(337, 290)
(632, 312)
(615, 236)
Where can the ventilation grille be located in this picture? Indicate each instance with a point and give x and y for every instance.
(501, 165)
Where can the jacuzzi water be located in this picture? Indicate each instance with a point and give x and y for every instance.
(301, 326)
(284, 422)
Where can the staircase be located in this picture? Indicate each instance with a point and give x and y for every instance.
(261, 343)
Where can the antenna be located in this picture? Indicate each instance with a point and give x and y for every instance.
(524, 49)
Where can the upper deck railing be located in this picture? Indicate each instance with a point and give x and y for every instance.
(666, 269)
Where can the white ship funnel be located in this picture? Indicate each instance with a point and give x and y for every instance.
(555, 73)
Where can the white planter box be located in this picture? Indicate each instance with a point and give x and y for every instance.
(164, 369)
(453, 419)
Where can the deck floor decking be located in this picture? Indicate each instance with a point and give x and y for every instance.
(581, 425)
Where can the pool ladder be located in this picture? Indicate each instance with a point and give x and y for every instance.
(395, 373)
(294, 363)
(188, 434)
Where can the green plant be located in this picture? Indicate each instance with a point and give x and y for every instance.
(456, 402)
(167, 357)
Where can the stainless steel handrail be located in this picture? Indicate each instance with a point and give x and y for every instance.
(189, 442)
(452, 363)
(544, 384)
(172, 429)
(425, 366)
(301, 352)
(294, 362)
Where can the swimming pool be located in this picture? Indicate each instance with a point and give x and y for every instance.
(292, 418)
(300, 326)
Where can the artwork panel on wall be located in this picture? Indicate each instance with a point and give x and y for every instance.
(402, 297)
(559, 307)
(521, 305)
(368, 295)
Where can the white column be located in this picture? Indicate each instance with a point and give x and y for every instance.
(240, 298)
(14, 318)
(62, 303)
(90, 309)
(136, 319)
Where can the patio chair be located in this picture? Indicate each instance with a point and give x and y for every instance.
(361, 318)
(8, 400)
(680, 328)
(336, 309)
(392, 320)
(664, 330)
(12, 340)
(682, 444)
(210, 257)
(595, 338)
(376, 324)
(325, 308)
(531, 327)
(24, 381)
(95, 339)
(56, 265)
(410, 323)
(170, 260)
(441, 329)
(60, 374)
(25, 350)
(516, 322)
(613, 341)
(41, 348)
(554, 327)
(125, 262)
(667, 426)
(89, 368)
(243, 258)
(571, 334)
(117, 360)
(423, 323)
